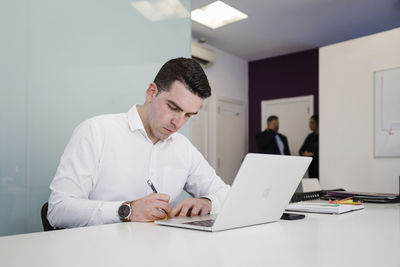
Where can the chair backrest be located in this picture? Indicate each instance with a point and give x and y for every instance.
(46, 225)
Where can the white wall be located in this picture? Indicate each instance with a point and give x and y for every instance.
(346, 114)
(228, 78)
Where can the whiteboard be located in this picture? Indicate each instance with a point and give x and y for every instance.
(387, 113)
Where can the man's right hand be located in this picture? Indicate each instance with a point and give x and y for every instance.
(147, 209)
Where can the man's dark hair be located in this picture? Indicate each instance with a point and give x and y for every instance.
(315, 118)
(271, 118)
(188, 72)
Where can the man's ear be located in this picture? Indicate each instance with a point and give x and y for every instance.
(151, 92)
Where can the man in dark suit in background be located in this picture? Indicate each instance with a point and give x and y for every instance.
(270, 141)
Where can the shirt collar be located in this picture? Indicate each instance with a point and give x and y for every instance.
(136, 124)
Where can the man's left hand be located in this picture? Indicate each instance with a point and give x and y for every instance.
(192, 207)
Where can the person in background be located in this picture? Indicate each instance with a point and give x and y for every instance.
(310, 147)
(270, 141)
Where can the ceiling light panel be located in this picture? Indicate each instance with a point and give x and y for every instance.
(217, 14)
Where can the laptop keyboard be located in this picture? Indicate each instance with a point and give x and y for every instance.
(207, 223)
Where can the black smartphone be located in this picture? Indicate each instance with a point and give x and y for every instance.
(292, 216)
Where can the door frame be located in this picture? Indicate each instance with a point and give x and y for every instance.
(265, 104)
(284, 101)
(246, 111)
(206, 128)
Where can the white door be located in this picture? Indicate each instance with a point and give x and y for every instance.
(200, 129)
(294, 115)
(231, 138)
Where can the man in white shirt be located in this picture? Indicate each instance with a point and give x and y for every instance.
(103, 173)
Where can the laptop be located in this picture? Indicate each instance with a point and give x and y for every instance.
(260, 193)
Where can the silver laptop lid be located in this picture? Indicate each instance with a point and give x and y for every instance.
(261, 190)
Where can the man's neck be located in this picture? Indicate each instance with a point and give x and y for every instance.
(142, 110)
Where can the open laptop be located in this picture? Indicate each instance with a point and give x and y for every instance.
(260, 193)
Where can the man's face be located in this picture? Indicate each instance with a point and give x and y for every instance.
(170, 110)
(274, 125)
(313, 125)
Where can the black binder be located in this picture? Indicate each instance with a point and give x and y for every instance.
(341, 193)
(364, 197)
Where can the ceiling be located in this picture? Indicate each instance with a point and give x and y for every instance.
(278, 27)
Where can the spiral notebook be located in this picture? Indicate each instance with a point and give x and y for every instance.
(321, 207)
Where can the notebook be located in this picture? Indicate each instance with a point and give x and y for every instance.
(322, 207)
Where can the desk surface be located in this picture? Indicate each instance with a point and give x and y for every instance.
(369, 237)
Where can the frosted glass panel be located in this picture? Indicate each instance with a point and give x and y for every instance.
(62, 62)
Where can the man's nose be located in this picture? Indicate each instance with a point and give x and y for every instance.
(178, 120)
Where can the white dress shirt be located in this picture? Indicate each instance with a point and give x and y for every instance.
(280, 144)
(108, 161)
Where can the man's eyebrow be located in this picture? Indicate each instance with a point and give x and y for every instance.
(179, 108)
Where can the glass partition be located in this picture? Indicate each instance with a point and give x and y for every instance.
(62, 62)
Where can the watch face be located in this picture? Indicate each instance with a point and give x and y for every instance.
(124, 211)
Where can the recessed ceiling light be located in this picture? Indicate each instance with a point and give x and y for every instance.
(158, 10)
(217, 14)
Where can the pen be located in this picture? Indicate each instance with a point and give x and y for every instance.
(154, 191)
(152, 186)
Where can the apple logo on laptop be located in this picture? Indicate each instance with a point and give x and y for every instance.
(265, 193)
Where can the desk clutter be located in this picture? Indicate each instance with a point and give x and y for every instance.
(339, 201)
(338, 194)
(361, 196)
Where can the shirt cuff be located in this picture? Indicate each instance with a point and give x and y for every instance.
(109, 211)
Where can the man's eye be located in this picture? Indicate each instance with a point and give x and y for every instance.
(173, 108)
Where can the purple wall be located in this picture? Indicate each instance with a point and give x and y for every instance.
(279, 77)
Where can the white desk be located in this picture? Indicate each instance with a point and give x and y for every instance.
(369, 237)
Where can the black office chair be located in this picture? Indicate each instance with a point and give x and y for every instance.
(46, 225)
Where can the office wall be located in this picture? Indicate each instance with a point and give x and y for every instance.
(279, 77)
(61, 63)
(346, 114)
(228, 78)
